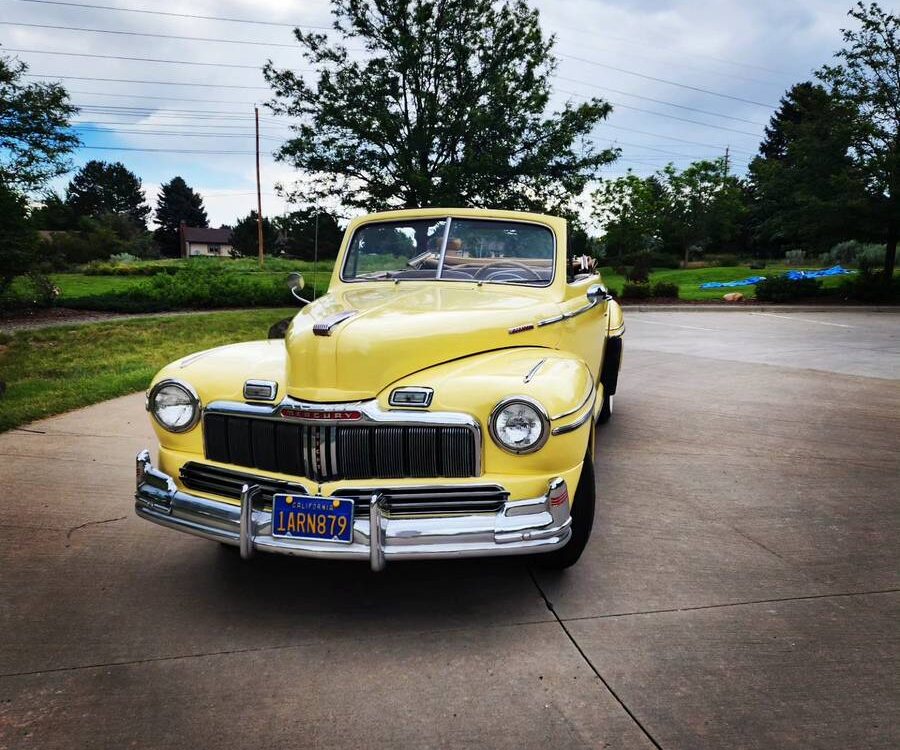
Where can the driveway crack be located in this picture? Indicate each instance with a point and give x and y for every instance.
(92, 523)
(590, 664)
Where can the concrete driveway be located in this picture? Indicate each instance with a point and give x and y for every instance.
(742, 589)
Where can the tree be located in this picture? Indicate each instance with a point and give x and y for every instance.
(298, 231)
(866, 78)
(100, 188)
(53, 213)
(245, 237)
(35, 139)
(177, 203)
(808, 192)
(449, 107)
(675, 212)
(18, 241)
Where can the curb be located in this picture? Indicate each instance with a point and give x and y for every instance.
(764, 308)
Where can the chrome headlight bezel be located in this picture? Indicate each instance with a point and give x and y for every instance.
(542, 416)
(188, 391)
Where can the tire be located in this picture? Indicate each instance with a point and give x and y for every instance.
(606, 409)
(582, 523)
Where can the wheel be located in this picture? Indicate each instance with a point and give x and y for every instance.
(582, 522)
(609, 377)
(606, 409)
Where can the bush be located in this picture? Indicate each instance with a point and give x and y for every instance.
(122, 258)
(794, 257)
(851, 252)
(758, 264)
(782, 289)
(640, 271)
(194, 287)
(664, 290)
(726, 261)
(635, 290)
(870, 287)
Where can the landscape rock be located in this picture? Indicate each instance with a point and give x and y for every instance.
(733, 297)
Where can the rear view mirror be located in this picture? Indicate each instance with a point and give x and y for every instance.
(296, 282)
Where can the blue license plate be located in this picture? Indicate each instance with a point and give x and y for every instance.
(304, 517)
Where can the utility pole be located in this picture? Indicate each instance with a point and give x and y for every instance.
(259, 224)
(725, 175)
(316, 254)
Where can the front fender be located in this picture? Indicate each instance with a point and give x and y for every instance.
(561, 382)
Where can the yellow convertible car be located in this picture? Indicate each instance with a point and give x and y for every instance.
(440, 401)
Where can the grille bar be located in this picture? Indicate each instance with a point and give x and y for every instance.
(485, 498)
(324, 452)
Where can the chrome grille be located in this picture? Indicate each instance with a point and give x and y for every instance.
(471, 498)
(325, 452)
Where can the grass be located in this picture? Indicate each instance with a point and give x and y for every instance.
(689, 280)
(56, 369)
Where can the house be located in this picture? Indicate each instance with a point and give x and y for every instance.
(205, 241)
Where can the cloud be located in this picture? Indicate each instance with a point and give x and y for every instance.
(718, 58)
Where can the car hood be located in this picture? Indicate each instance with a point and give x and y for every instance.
(382, 332)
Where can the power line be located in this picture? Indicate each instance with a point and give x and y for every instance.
(148, 34)
(168, 150)
(136, 59)
(178, 15)
(178, 124)
(668, 82)
(672, 138)
(180, 133)
(651, 99)
(154, 83)
(161, 98)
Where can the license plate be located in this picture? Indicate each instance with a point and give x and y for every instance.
(304, 517)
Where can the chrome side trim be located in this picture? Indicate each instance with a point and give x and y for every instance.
(568, 315)
(533, 371)
(578, 408)
(574, 425)
(327, 324)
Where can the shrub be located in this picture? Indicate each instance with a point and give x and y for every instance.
(758, 264)
(664, 289)
(194, 287)
(851, 251)
(122, 258)
(782, 289)
(870, 286)
(640, 271)
(726, 261)
(635, 290)
(794, 257)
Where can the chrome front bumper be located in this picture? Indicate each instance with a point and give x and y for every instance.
(520, 527)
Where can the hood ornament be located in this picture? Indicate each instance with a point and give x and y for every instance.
(325, 326)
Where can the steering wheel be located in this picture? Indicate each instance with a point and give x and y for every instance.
(505, 266)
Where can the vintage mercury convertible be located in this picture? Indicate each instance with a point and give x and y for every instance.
(439, 401)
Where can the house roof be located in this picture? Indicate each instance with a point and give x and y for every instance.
(221, 236)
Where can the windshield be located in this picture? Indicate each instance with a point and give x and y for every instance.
(482, 250)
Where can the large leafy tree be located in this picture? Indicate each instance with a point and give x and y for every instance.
(447, 105)
(18, 241)
(808, 192)
(100, 188)
(866, 79)
(35, 140)
(299, 231)
(693, 210)
(245, 237)
(176, 203)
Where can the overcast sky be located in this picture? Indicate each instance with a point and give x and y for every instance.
(657, 61)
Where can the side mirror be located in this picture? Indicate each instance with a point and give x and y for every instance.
(597, 293)
(295, 284)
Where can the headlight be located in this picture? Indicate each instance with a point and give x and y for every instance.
(519, 425)
(174, 405)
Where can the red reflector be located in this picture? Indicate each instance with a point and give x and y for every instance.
(331, 416)
(559, 499)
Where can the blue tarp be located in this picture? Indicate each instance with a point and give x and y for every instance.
(833, 271)
(792, 275)
(742, 282)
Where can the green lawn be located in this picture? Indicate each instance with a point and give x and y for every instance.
(689, 280)
(56, 369)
